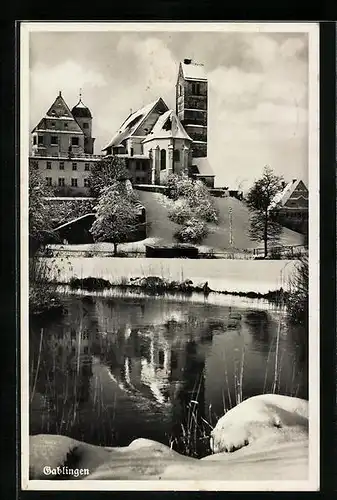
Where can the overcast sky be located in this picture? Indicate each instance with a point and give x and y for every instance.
(258, 86)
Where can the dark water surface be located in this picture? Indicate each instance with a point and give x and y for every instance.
(114, 369)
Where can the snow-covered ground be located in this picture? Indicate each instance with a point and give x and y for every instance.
(231, 275)
(268, 462)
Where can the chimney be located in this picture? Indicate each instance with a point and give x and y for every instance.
(294, 180)
(187, 61)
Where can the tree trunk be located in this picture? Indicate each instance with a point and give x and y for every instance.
(265, 236)
(115, 249)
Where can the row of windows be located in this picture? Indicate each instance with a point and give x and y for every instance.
(53, 124)
(40, 140)
(61, 166)
(62, 182)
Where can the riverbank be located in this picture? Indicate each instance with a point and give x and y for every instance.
(236, 276)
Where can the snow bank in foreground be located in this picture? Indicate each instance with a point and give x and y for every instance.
(261, 422)
(272, 453)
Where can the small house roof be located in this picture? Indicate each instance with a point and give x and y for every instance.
(283, 196)
(72, 221)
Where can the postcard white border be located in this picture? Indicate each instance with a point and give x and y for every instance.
(312, 484)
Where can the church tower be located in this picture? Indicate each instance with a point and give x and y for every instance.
(191, 104)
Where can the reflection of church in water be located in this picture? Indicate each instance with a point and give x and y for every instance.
(159, 361)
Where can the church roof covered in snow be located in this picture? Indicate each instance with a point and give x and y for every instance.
(168, 125)
(192, 70)
(133, 121)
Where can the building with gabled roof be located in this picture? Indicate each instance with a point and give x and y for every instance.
(62, 147)
(292, 204)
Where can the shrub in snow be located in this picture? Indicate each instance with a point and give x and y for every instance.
(193, 231)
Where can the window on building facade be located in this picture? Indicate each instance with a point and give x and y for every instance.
(180, 90)
(48, 165)
(85, 125)
(86, 183)
(40, 140)
(74, 141)
(86, 167)
(66, 125)
(74, 166)
(176, 155)
(61, 182)
(54, 140)
(73, 182)
(34, 140)
(49, 181)
(131, 151)
(196, 88)
(53, 124)
(163, 159)
(138, 165)
(61, 165)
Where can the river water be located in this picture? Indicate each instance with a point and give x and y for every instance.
(114, 368)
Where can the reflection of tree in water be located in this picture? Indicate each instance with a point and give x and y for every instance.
(259, 327)
(188, 401)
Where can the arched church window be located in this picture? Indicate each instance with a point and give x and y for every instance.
(163, 159)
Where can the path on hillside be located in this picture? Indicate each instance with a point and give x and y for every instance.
(219, 238)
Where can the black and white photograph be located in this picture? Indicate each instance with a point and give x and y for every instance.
(169, 256)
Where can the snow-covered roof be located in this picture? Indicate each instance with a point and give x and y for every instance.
(203, 166)
(74, 220)
(283, 196)
(130, 125)
(193, 71)
(168, 125)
